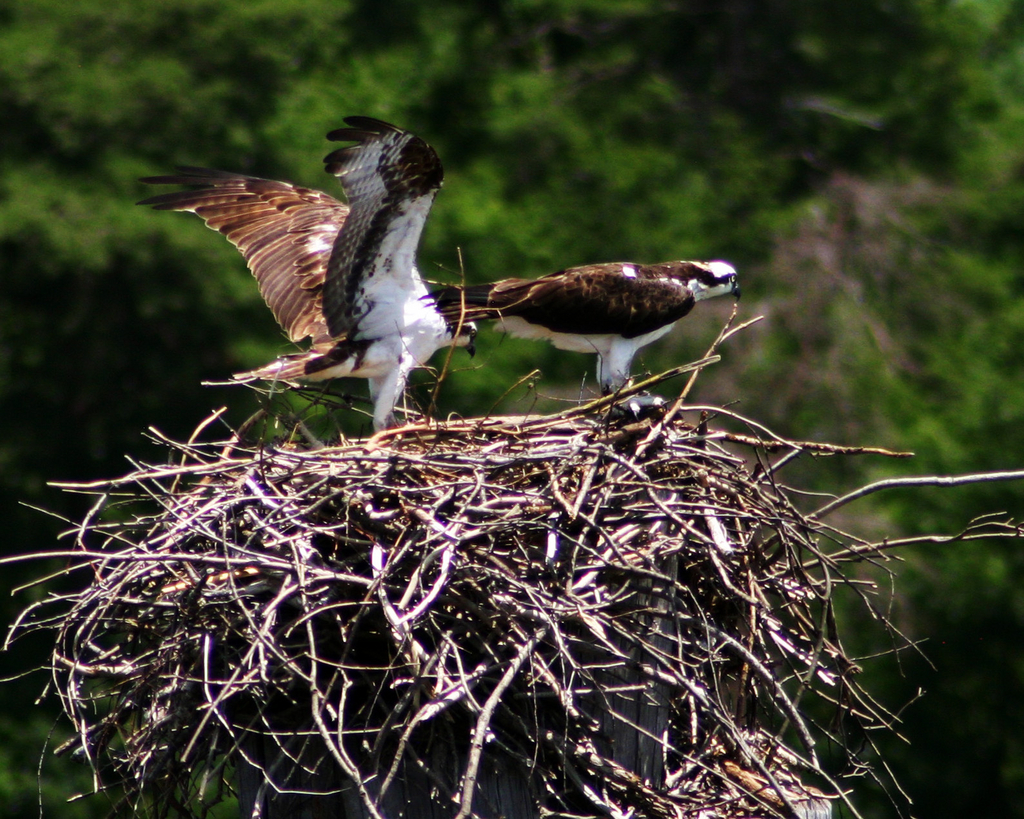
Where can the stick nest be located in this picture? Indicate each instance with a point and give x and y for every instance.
(622, 616)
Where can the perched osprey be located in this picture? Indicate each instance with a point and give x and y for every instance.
(610, 309)
(342, 275)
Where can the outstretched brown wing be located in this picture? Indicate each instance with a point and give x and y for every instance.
(285, 232)
(390, 178)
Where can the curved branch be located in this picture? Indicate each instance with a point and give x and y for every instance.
(922, 480)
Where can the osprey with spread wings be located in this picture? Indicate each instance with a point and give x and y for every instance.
(342, 275)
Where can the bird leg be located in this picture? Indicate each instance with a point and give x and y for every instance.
(386, 390)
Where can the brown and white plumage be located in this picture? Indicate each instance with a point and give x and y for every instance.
(343, 275)
(610, 309)
(285, 232)
(390, 178)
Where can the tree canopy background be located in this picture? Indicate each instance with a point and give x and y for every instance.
(860, 164)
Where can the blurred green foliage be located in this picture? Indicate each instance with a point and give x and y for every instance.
(860, 163)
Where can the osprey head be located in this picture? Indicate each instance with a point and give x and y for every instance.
(712, 279)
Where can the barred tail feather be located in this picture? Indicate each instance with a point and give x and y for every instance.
(475, 299)
(286, 368)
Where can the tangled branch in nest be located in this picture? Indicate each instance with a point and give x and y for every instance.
(616, 618)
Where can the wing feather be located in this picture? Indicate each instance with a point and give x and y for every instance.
(390, 178)
(587, 300)
(285, 232)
